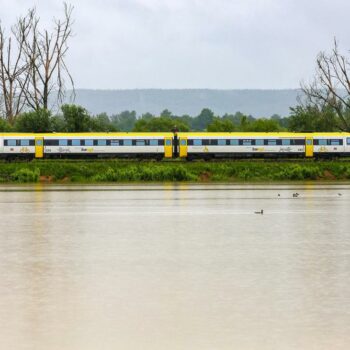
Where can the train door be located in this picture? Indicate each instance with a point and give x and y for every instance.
(309, 147)
(168, 147)
(39, 147)
(183, 147)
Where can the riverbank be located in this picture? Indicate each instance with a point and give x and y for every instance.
(101, 171)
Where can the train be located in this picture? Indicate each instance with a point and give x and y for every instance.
(167, 145)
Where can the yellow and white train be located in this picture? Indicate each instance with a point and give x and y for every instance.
(193, 145)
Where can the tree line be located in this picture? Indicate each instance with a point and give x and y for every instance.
(74, 118)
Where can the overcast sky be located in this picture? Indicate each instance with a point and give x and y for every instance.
(225, 44)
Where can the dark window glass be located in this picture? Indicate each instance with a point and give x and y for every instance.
(69, 142)
(82, 142)
(51, 142)
(190, 142)
(214, 142)
(298, 142)
(160, 142)
(348, 141)
(205, 142)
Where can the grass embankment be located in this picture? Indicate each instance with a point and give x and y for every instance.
(61, 171)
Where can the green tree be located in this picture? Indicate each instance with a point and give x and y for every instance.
(101, 123)
(166, 113)
(36, 121)
(124, 121)
(77, 118)
(313, 118)
(4, 125)
(158, 124)
(58, 124)
(205, 118)
(263, 125)
(221, 125)
(283, 122)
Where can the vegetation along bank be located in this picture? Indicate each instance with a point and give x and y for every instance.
(116, 171)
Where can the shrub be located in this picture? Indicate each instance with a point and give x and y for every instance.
(26, 175)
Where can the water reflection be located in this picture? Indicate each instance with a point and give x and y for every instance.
(174, 267)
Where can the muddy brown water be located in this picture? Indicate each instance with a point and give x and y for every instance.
(175, 267)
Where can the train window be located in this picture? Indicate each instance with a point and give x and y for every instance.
(183, 142)
(127, 143)
(272, 142)
(197, 142)
(309, 142)
(114, 142)
(51, 142)
(140, 143)
(10, 143)
(321, 142)
(234, 142)
(160, 142)
(221, 142)
(285, 142)
(63, 142)
(348, 141)
(299, 142)
(247, 142)
(89, 142)
(75, 142)
(335, 142)
(153, 142)
(101, 142)
(82, 142)
(167, 142)
(259, 142)
(24, 142)
(205, 142)
(213, 142)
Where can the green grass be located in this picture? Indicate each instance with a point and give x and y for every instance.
(100, 171)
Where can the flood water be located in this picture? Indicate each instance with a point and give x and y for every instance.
(183, 267)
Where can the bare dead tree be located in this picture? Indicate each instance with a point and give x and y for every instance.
(45, 55)
(14, 75)
(331, 85)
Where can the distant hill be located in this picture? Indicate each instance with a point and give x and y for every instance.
(258, 103)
